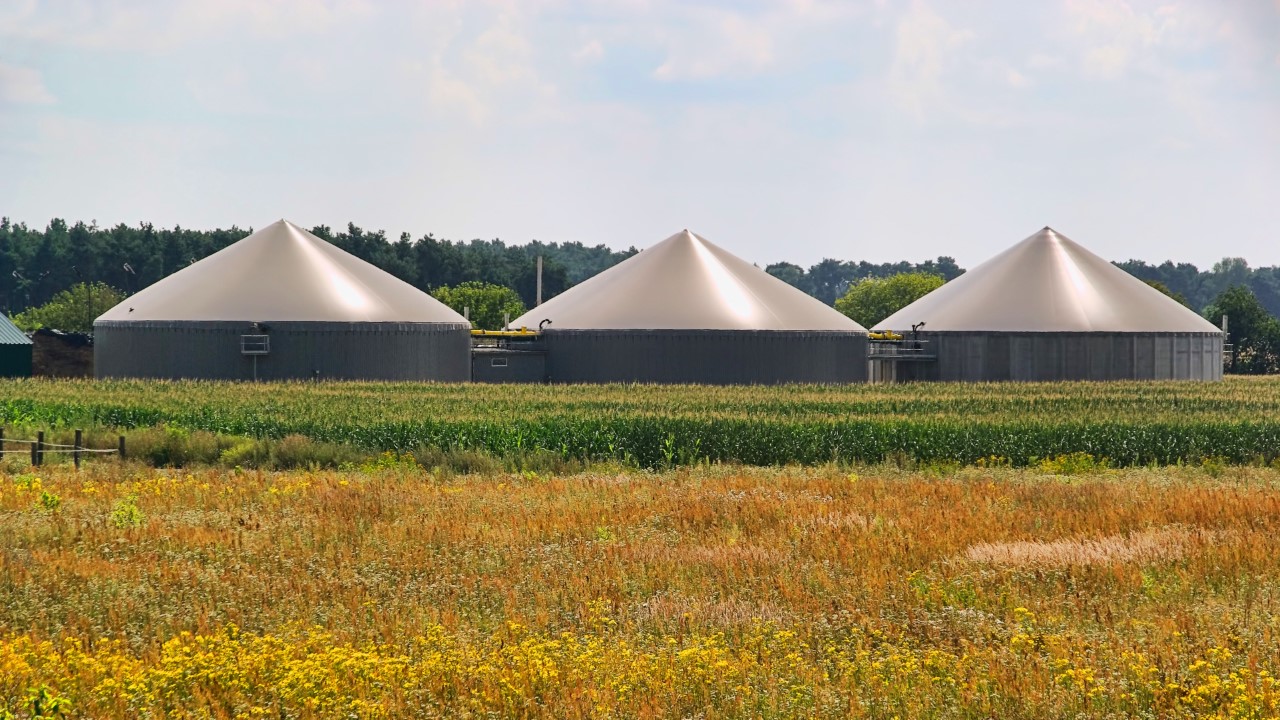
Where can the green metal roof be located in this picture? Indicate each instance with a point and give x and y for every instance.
(10, 334)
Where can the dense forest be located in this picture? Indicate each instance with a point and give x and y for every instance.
(1200, 288)
(36, 264)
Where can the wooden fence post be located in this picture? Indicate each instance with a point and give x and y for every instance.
(76, 452)
(37, 450)
(120, 450)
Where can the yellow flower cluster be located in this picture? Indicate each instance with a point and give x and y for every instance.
(23, 485)
(307, 672)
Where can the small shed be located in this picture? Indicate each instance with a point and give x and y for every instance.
(15, 350)
(61, 354)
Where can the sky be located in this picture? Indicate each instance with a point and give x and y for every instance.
(791, 130)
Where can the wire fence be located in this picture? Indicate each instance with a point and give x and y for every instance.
(39, 447)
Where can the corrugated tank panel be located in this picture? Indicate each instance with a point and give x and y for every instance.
(713, 357)
(991, 356)
(499, 365)
(298, 350)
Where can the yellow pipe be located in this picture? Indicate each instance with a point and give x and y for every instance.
(521, 333)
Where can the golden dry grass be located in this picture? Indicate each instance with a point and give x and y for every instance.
(1152, 545)
(708, 592)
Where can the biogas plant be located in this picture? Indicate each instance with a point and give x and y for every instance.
(283, 304)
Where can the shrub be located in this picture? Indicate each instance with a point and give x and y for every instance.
(246, 452)
(126, 514)
(49, 502)
(70, 309)
(175, 446)
(871, 300)
(1076, 463)
(485, 303)
(295, 451)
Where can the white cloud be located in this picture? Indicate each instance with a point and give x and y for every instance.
(484, 66)
(448, 91)
(710, 41)
(274, 18)
(128, 25)
(23, 86)
(731, 44)
(1195, 59)
(1108, 61)
(501, 55)
(1045, 61)
(591, 52)
(925, 50)
(1118, 39)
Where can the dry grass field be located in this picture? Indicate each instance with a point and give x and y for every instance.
(711, 592)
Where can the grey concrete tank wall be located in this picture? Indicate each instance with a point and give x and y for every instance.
(713, 357)
(299, 350)
(508, 365)
(987, 356)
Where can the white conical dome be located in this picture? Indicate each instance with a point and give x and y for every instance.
(1047, 283)
(282, 273)
(685, 283)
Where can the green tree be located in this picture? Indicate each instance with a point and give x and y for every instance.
(485, 303)
(1254, 333)
(789, 273)
(871, 300)
(72, 310)
(1164, 289)
(829, 279)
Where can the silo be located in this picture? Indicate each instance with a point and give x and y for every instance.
(282, 304)
(688, 311)
(15, 350)
(1048, 309)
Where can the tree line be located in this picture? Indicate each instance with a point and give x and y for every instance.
(36, 264)
(830, 279)
(1200, 288)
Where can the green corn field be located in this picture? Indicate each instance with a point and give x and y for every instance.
(1236, 421)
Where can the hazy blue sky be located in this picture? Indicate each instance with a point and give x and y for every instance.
(781, 130)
